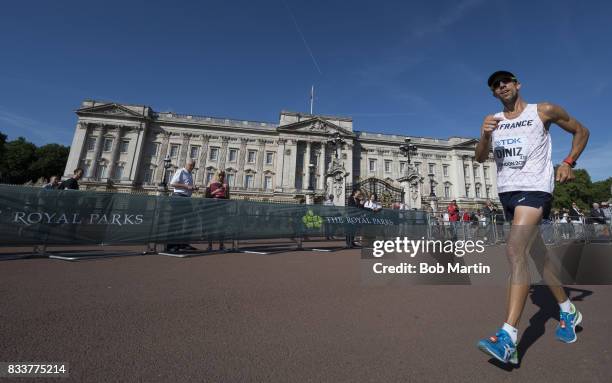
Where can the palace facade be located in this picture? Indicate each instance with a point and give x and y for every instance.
(122, 147)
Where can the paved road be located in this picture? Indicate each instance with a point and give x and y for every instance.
(300, 316)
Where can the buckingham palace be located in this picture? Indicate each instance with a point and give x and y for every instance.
(302, 157)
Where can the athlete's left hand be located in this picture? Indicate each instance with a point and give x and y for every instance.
(564, 173)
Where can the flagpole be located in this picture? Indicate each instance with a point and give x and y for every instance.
(311, 98)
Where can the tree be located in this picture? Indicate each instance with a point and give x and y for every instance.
(18, 156)
(2, 151)
(582, 191)
(50, 161)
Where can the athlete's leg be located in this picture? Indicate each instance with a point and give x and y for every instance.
(550, 271)
(522, 235)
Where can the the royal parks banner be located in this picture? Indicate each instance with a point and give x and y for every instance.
(38, 216)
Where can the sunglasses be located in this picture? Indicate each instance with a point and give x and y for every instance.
(505, 80)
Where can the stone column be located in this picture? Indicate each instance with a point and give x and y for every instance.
(261, 153)
(97, 152)
(135, 163)
(184, 149)
(241, 157)
(322, 155)
(306, 167)
(78, 148)
(223, 152)
(203, 157)
(162, 154)
(291, 167)
(115, 152)
(280, 164)
(349, 161)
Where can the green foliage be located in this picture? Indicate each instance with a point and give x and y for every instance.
(21, 161)
(311, 220)
(582, 191)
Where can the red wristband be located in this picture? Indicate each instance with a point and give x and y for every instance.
(570, 162)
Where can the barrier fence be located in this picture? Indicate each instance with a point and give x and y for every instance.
(494, 231)
(34, 216)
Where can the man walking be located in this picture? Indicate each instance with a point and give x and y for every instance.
(72, 182)
(520, 139)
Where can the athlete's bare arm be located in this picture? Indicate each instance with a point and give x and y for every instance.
(551, 113)
(484, 145)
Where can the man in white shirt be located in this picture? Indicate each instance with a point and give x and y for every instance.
(182, 182)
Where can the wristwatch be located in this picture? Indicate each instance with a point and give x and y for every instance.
(570, 162)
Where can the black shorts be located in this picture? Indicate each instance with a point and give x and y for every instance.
(537, 199)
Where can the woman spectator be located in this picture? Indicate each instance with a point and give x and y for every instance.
(218, 189)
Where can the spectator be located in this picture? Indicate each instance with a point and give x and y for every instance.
(328, 230)
(72, 182)
(575, 214)
(218, 189)
(373, 204)
(53, 183)
(453, 217)
(607, 211)
(182, 182)
(597, 215)
(353, 201)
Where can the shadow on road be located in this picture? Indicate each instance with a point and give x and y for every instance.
(549, 309)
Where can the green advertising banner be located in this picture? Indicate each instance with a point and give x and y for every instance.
(37, 216)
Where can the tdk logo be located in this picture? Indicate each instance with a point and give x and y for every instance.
(508, 141)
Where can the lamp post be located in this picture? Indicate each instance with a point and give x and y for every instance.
(432, 192)
(337, 142)
(408, 149)
(167, 165)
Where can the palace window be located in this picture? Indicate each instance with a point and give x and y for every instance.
(402, 167)
(248, 181)
(432, 168)
(387, 166)
(230, 177)
(125, 144)
(108, 144)
(118, 171)
(233, 155)
(252, 156)
(446, 191)
(372, 165)
(194, 152)
(477, 191)
(445, 170)
(149, 176)
(91, 144)
(214, 154)
(417, 166)
(466, 172)
(269, 158)
(154, 149)
(174, 150)
(268, 182)
(485, 170)
(102, 171)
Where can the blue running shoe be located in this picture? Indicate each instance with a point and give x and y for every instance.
(500, 346)
(566, 330)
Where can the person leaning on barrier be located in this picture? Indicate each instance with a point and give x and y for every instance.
(218, 189)
(53, 183)
(72, 182)
(373, 204)
(575, 214)
(182, 182)
(607, 211)
(355, 201)
(328, 229)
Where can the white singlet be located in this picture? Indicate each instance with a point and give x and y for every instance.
(523, 153)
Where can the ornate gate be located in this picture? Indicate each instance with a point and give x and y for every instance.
(387, 193)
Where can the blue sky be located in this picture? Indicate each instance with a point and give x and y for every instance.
(415, 68)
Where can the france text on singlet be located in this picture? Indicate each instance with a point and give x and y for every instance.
(523, 154)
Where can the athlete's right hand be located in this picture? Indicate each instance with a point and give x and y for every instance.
(489, 125)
